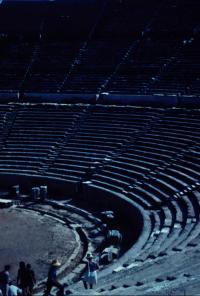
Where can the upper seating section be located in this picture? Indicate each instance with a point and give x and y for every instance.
(21, 18)
(54, 20)
(71, 19)
(51, 62)
(14, 62)
(182, 75)
(143, 64)
(118, 46)
(125, 19)
(111, 37)
(40, 43)
(95, 63)
(164, 60)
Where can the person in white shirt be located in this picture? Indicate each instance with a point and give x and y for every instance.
(90, 272)
(14, 291)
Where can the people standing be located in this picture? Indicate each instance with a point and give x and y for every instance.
(30, 279)
(22, 277)
(90, 273)
(52, 280)
(5, 280)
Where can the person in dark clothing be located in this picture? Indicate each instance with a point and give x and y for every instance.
(30, 279)
(22, 277)
(52, 279)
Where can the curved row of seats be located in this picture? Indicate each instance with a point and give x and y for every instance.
(165, 255)
(149, 156)
(147, 153)
(34, 137)
(123, 146)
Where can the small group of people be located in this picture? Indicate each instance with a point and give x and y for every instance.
(26, 278)
(89, 276)
(25, 281)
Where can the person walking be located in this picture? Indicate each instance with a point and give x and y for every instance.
(90, 273)
(52, 280)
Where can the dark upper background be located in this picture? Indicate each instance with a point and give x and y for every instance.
(118, 46)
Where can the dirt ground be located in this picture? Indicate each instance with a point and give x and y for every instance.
(34, 238)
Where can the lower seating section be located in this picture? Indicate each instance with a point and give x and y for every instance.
(6, 114)
(154, 158)
(35, 135)
(97, 138)
(152, 154)
(167, 255)
(152, 278)
(144, 151)
(137, 157)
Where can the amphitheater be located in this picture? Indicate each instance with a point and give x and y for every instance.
(100, 142)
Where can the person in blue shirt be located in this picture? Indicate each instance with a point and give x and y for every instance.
(52, 280)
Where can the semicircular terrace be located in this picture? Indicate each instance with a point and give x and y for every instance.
(141, 162)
